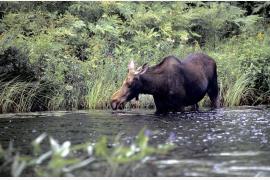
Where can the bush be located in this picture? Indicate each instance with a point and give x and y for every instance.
(243, 71)
(80, 50)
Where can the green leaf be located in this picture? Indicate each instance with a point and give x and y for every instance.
(101, 147)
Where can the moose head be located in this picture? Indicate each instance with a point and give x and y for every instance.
(130, 88)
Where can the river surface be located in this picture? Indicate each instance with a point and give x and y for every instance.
(223, 142)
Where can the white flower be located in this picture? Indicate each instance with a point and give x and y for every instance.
(133, 150)
(63, 149)
(90, 150)
(40, 138)
(54, 144)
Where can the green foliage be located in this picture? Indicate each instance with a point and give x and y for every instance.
(18, 96)
(121, 154)
(63, 159)
(78, 51)
(244, 72)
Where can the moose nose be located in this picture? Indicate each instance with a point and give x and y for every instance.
(114, 105)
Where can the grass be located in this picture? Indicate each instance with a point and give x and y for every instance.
(17, 96)
(21, 96)
(56, 102)
(99, 94)
(81, 57)
(236, 81)
(235, 92)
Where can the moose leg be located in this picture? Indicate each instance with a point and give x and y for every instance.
(195, 107)
(179, 109)
(161, 107)
(213, 93)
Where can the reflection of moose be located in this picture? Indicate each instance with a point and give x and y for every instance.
(174, 84)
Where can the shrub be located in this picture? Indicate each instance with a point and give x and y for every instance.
(80, 50)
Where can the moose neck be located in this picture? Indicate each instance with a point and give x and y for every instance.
(149, 83)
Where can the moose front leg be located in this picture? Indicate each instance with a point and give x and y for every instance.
(137, 103)
(161, 106)
(195, 107)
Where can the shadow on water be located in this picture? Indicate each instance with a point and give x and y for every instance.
(223, 142)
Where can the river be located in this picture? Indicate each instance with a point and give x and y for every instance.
(223, 142)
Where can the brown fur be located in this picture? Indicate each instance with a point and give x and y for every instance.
(174, 84)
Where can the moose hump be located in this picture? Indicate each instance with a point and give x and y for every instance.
(174, 84)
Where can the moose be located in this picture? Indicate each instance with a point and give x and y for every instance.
(173, 83)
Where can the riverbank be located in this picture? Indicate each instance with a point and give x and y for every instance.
(75, 56)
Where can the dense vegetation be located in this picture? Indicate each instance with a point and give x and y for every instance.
(74, 55)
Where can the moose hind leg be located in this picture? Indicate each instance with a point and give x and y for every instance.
(213, 93)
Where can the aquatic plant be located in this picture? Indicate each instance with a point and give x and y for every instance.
(69, 160)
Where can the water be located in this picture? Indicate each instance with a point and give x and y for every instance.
(223, 142)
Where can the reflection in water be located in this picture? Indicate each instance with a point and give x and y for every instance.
(223, 142)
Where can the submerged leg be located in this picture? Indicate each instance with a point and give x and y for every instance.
(161, 107)
(177, 109)
(181, 109)
(195, 107)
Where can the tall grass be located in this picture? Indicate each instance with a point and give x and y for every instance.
(236, 92)
(56, 102)
(103, 84)
(21, 96)
(235, 83)
(99, 95)
(80, 56)
(17, 96)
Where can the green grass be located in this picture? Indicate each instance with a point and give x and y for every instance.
(79, 58)
(20, 96)
(98, 95)
(236, 91)
(17, 96)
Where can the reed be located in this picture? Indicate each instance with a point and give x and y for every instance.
(236, 91)
(17, 96)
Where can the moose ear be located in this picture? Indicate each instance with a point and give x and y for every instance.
(131, 66)
(144, 68)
